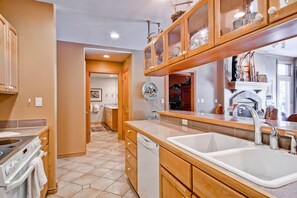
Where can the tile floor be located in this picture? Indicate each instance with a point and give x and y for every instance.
(99, 174)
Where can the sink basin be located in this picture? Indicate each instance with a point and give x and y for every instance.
(263, 166)
(201, 144)
(9, 141)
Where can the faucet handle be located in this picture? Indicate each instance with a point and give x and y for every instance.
(293, 142)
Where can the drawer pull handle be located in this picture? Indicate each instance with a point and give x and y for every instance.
(129, 169)
(129, 156)
(44, 138)
(129, 131)
(129, 143)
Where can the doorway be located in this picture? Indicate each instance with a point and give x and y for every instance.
(181, 91)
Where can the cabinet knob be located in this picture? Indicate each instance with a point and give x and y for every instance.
(184, 53)
(129, 169)
(129, 143)
(129, 131)
(44, 138)
(259, 17)
(272, 10)
(129, 156)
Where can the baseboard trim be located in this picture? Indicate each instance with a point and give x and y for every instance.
(97, 122)
(71, 154)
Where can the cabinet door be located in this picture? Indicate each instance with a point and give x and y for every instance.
(171, 187)
(13, 59)
(175, 45)
(199, 30)
(3, 51)
(148, 58)
(237, 18)
(158, 51)
(45, 164)
(279, 9)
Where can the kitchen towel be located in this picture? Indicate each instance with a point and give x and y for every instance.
(37, 179)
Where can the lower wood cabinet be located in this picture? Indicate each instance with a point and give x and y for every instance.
(205, 185)
(171, 187)
(44, 147)
(131, 156)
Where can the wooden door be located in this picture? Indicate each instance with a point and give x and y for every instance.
(88, 114)
(126, 94)
(13, 59)
(3, 50)
(279, 9)
(171, 187)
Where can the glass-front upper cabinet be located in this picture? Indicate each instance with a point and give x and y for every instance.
(279, 9)
(159, 59)
(175, 47)
(148, 63)
(199, 27)
(235, 18)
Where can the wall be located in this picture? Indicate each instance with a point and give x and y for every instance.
(209, 86)
(109, 88)
(35, 23)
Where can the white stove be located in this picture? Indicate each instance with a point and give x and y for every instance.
(16, 153)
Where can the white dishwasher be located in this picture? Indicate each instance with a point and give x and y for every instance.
(147, 167)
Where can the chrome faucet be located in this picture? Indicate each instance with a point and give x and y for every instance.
(273, 141)
(256, 120)
(293, 142)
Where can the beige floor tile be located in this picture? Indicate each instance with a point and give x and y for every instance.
(99, 171)
(69, 190)
(118, 188)
(130, 194)
(81, 159)
(62, 183)
(110, 164)
(72, 166)
(62, 171)
(87, 193)
(98, 162)
(123, 178)
(72, 175)
(85, 168)
(120, 167)
(108, 195)
(113, 174)
(102, 183)
(62, 162)
(85, 179)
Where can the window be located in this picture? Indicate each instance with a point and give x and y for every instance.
(284, 89)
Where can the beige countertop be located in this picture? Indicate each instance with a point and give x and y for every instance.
(111, 107)
(26, 131)
(159, 131)
(230, 121)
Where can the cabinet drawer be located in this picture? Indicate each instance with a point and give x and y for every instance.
(131, 147)
(132, 175)
(131, 134)
(206, 186)
(44, 139)
(170, 187)
(176, 166)
(131, 159)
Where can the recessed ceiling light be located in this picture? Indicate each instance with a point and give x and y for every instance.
(114, 35)
(106, 56)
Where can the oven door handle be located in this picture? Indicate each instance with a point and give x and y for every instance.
(25, 176)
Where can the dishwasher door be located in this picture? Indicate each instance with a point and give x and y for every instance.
(147, 167)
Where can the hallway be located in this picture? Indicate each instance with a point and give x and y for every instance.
(101, 173)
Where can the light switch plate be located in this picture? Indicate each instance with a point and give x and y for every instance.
(38, 101)
(162, 101)
(185, 122)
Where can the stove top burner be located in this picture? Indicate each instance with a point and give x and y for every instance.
(9, 146)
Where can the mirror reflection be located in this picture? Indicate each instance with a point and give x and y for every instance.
(265, 78)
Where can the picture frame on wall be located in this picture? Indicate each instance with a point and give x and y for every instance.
(96, 95)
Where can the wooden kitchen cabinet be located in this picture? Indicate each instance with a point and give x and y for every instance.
(159, 51)
(111, 118)
(170, 187)
(175, 42)
(8, 58)
(279, 9)
(44, 147)
(148, 58)
(234, 19)
(199, 28)
(205, 185)
(131, 156)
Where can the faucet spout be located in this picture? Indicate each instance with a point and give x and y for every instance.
(256, 121)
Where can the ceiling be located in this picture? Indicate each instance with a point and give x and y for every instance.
(92, 21)
(97, 75)
(97, 54)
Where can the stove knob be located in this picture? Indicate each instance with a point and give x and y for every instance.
(8, 169)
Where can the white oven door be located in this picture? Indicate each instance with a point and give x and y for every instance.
(18, 186)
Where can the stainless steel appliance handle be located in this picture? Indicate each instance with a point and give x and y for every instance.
(23, 178)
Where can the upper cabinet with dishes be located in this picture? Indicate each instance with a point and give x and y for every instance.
(215, 29)
(8, 58)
